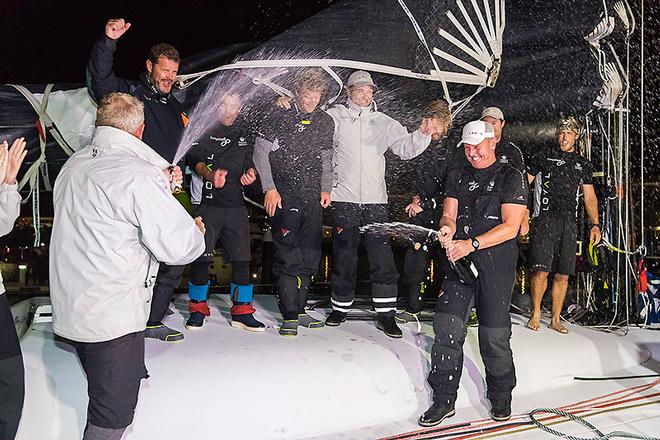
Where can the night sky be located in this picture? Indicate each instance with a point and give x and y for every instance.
(44, 41)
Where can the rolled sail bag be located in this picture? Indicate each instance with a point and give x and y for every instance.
(465, 270)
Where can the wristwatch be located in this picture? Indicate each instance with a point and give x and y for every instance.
(475, 243)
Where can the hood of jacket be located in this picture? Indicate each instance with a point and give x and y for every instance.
(111, 138)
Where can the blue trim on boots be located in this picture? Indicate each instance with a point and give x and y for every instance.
(198, 292)
(241, 293)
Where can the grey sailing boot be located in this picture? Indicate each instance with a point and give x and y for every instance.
(289, 327)
(93, 432)
(305, 320)
(405, 317)
(163, 332)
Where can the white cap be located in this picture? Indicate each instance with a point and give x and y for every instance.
(493, 112)
(360, 78)
(476, 131)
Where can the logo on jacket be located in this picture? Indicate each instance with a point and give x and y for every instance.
(242, 142)
(301, 126)
(339, 230)
(490, 186)
(223, 141)
(473, 185)
(578, 166)
(285, 232)
(504, 159)
(558, 162)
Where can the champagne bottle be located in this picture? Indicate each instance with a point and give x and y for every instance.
(465, 270)
(182, 196)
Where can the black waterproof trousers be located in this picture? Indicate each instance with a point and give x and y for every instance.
(167, 281)
(114, 370)
(12, 374)
(347, 219)
(416, 277)
(297, 252)
(491, 294)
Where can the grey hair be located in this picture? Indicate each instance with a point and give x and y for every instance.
(121, 111)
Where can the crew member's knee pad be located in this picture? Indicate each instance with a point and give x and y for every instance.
(241, 293)
(198, 292)
(449, 328)
(493, 340)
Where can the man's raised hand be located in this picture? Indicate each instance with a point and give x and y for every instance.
(116, 27)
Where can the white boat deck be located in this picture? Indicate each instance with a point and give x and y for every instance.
(350, 382)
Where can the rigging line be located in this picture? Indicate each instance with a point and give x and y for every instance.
(628, 199)
(641, 62)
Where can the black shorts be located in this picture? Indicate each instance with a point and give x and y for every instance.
(231, 226)
(553, 245)
(114, 370)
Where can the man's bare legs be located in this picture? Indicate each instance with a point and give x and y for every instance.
(539, 283)
(559, 288)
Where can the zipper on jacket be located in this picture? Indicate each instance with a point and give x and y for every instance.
(150, 279)
(360, 159)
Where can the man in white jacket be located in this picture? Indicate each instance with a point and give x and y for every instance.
(359, 197)
(12, 373)
(115, 219)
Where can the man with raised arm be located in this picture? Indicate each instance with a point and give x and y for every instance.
(165, 121)
(425, 209)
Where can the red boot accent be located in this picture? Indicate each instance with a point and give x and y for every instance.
(201, 307)
(242, 309)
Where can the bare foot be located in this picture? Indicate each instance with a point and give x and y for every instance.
(558, 327)
(534, 322)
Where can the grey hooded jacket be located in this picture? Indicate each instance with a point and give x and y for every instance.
(362, 136)
(115, 219)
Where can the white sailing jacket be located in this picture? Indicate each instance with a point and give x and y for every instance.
(10, 207)
(115, 219)
(362, 136)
